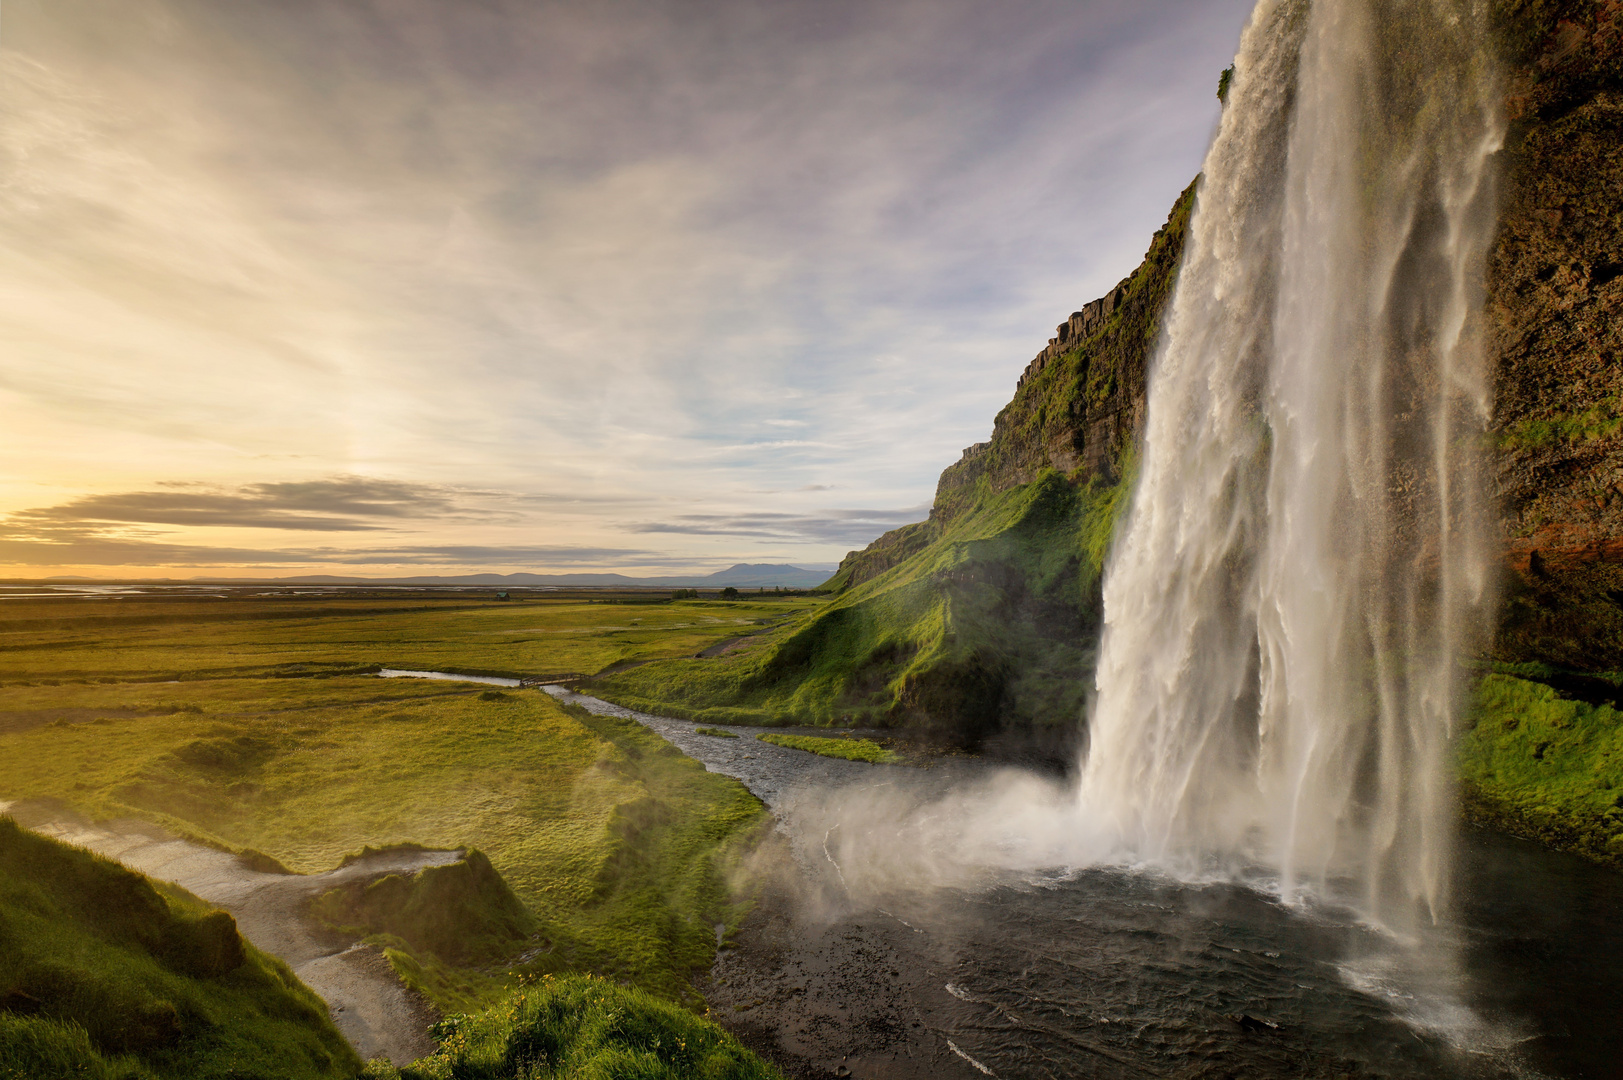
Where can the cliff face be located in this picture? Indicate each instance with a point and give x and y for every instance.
(1554, 332)
(983, 618)
(1555, 283)
(1077, 409)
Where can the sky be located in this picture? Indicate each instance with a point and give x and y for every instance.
(383, 287)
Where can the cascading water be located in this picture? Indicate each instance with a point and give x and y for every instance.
(1306, 556)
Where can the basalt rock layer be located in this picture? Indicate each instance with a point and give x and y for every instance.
(1555, 283)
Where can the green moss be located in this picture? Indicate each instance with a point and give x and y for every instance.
(1603, 420)
(1545, 767)
(849, 749)
(590, 1029)
(715, 733)
(123, 979)
(990, 623)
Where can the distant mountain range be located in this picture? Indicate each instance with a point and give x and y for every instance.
(741, 575)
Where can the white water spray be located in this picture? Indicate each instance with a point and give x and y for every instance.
(1307, 553)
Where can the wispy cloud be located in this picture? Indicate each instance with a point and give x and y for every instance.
(67, 547)
(829, 526)
(343, 504)
(597, 258)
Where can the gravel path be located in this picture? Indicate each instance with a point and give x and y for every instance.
(378, 1015)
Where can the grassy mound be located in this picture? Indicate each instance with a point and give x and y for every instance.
(462, 912)
(849, 749)
(448, 930)
(990, 624)
(107, 976)
(1546, 767)
(586, 1029)
(715, 733)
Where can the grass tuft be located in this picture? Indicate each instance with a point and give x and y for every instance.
(849, 749)
(585, 1028)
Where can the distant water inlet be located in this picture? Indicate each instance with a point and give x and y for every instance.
(488, 680)
(1306, 556)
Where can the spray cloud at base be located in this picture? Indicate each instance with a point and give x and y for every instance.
(1306, 556)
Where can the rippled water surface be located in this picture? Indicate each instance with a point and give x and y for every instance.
(1112, 973)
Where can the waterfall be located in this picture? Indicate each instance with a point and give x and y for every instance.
(1307, 554)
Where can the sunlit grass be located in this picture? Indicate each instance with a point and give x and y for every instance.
(65, 640)
(583, 1027)
(849, 749)
(121, 979)
(271, 738)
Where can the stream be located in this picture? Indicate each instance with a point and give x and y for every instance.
(1111, 972)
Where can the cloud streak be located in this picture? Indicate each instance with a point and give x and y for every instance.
(89, 549)
(828, 527)
(343, 504)
(603, 259)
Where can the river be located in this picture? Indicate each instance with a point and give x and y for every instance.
(1111, 972)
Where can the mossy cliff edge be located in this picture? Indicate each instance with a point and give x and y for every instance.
(983, 618)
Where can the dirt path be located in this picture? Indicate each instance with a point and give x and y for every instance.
(378, 1015)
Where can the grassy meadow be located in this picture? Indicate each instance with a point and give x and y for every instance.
(251, 724)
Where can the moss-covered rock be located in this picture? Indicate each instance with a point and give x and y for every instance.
(1555, 288)
(461, 912)
(1546, 766)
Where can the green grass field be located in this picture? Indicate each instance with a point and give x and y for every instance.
(848, 749)
(250, 724)
(162, 639)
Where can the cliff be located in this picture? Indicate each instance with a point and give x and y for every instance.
(1077, 407)
(980, 620)
(983, 618)
(1555, 283)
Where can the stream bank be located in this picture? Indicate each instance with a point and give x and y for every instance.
(1120, 972)
(374, 1012)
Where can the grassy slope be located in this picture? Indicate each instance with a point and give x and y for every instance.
(583, 1027)
(1546, 767)
(985, 616)
(605, 833)
(105, 975)
(988, 622)
(847, 749)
